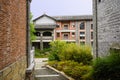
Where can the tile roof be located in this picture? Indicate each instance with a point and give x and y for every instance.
(81, 17)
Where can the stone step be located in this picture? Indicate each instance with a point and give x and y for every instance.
(46, 76)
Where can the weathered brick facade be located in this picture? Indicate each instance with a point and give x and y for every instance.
(106, 25)
(12, 39)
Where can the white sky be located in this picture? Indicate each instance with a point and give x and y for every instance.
(61, 7)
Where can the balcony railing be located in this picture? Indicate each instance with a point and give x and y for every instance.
(45, 38)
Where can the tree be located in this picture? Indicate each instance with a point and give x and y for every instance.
(32, 29)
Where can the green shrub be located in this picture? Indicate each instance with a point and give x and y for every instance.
(107, 68)
(53, 56)
(53, 63)
(62, 65)
(79, 72)
(77, 53)
(41, 53)
(56, 49)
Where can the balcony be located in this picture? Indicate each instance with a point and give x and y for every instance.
(67, 40)
(44, 39)
(65, 30)
(82, 34)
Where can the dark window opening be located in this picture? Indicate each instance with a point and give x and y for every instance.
(91, 35)
(73, 33)
(37, 33)
(47, 34)
(99, 0)
(82, 37)
(92, 43)
(82, 43)
(58, 34)
(65, 27)
(91, 26)
(82, 33)
(65, 36)
(82, 25)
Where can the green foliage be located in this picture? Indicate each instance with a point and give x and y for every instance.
(32, 29)
(107, 68)
(72, 59)
(61, 50)
(56, 49)
(79, 72)
(76, 70)
(77, 53)
(42, 53)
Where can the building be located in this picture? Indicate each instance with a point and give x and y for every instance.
(106, 26)
(14, 21)
(76, 29)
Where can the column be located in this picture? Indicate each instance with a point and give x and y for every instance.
(41, 41)
(53, 36)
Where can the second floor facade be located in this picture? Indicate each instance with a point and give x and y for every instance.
(77, 29)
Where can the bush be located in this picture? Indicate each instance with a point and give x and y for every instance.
(77, 53)
(79, 72)
(41, 53)
(56, 49)
(107, 68)
(53, 63)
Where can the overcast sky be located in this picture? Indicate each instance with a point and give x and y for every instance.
(61, 7)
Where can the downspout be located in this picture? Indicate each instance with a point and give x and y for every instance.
(96, 24)
(28, 48)
(95, 28)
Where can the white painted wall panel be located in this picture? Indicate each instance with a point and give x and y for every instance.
(45, 20)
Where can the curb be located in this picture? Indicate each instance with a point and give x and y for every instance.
(59, 72)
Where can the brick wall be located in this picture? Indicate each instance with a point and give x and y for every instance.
(12, 34)
(108, 25)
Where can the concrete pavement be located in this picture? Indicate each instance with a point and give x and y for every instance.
(44, 73)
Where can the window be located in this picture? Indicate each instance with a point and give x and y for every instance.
(99, 0)
(91, 26)
(82, 37)
(65, 27)
(37, 33)
(73, 25)
(58, 25)
(73, 33)
(58, 34)
(82, 42)
(82, 33)
(65, 36)
(91, 35)
(82, 25)
(92, 43)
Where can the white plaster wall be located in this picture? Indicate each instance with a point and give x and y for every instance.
(45, 20)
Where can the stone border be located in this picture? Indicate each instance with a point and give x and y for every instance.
(59, 72)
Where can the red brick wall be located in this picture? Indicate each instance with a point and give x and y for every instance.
(12, 31)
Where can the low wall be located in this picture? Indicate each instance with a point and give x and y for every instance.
(15, 71)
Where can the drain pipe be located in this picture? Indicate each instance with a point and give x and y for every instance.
(28, 47)
(95, 17)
